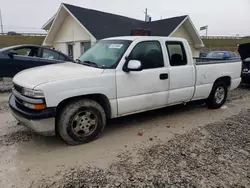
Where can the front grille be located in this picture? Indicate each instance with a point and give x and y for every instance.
(18, 88)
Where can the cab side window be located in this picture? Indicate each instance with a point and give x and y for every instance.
(149, 53)
(176, 53)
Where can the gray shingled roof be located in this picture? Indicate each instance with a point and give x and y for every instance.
(103, 25)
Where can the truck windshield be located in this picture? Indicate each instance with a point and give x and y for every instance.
(105, 54)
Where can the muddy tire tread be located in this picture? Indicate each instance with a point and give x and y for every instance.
(68, 110)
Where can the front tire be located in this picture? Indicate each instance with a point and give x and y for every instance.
(81, 121)
(218, 95)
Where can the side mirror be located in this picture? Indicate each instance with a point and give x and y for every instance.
(133, 65)
(11, 53)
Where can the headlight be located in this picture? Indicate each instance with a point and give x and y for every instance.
(32, 93)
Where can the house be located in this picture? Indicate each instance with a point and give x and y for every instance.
(73, 30)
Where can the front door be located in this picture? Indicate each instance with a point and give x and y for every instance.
(147, 89)
(71, 50)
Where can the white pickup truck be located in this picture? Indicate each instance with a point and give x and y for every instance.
(116, 77)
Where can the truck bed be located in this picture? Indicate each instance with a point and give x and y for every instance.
(208, 71)
(201, 61)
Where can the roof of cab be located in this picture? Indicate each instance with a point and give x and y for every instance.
(133, 38)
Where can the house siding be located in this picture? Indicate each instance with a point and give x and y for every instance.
(181, 32)
(70, 31)
(62, 47)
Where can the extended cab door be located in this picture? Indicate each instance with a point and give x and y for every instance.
(145, 89)
(181, 72)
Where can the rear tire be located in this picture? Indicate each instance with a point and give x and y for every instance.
(218, 95)
(81, 121)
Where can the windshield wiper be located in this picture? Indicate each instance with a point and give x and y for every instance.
(77, 61)
(91, 63)
(87, 63)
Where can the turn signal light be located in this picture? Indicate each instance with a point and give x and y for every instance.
(39, 106)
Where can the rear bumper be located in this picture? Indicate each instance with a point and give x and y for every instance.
(41, 122)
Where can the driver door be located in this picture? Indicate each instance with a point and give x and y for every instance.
(146, 89)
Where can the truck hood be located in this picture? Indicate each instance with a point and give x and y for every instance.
(33, 77)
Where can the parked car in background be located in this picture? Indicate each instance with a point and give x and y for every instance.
(17, 58)
(222, 55)
(244, 51)
(13, 33)
(203, 54)
(117, 77)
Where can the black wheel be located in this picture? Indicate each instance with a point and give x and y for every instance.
(218, 95)
(81, 121)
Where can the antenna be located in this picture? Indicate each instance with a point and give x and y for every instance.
(1, 21)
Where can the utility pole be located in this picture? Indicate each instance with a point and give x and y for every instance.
(206, 31)
(1, 21)
(146, 14)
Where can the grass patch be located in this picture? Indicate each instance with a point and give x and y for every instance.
(7, 40)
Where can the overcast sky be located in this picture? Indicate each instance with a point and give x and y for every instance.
(223, 17)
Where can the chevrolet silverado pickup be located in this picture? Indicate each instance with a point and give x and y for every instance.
(117, 77)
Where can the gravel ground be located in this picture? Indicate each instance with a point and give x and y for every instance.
(217, 155)
(22, 135)
(239, 93)
(5, 84)
(4, 106)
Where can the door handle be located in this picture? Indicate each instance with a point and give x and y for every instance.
(164, 76)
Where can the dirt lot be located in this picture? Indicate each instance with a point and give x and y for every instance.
(182, 146)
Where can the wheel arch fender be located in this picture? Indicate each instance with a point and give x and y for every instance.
(98, 97)
(226, 79)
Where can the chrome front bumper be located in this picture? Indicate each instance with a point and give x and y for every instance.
(45, 127)
(41, 122)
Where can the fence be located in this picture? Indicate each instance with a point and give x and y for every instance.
(221, 37)
(24, 34)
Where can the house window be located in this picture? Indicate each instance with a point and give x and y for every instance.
(70, 50)
(85, 46)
